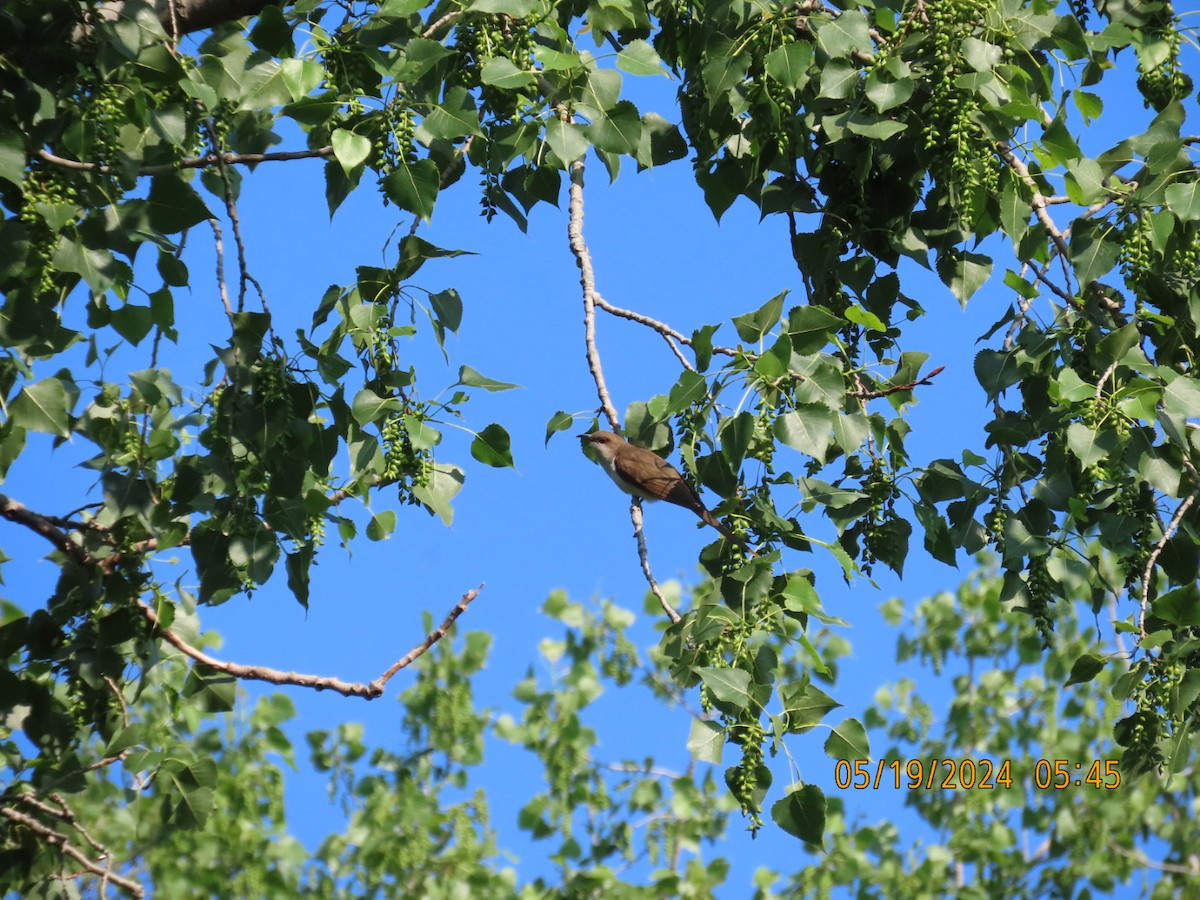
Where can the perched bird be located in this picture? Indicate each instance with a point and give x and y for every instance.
(645, 474)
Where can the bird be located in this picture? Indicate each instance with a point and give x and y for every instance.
(645, 474)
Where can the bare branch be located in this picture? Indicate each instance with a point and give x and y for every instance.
(587, 280)
(231, 210)
(448, 19)
(434, 636)
(635, 513)
(208, 160)
(1170, 530)
(1039, 201)
(862, 393)
(222, 287)
(1142, 859)
(56, 839)
(665, 330)
(316, 682)
(16, 512)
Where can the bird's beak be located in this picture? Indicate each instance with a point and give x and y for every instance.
(585, 437)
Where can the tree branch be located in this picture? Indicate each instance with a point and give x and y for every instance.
(587, 280)
(635, 514)
(317, 682)
(180, 17)
(16, 512)
(1168, 532)
(206, 161)
(59, 840)
(862, 393)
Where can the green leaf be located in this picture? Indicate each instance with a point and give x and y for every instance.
(415, 252)
(298, 566)
(1094, 247)
(414, 187)
(1182, 397)
(368, 406)
(447, 312)
(996, 371)
(617, 129)
(132, 322)
(382, 525)
(503, 73)
(456, 117)
(702, 346)
(887, 95)
(350, 149)
(190, 786)
(660, 142)
(804, 705)
(1085, 181)
(789, 64)
(808, 428)
(801, 813)
(174, 205)
(1089, 445)
(1085, 668)
(811, 328)
(1058, 146)
(848, 741)
(846, 35)
(751, 327)
(567, 140)
(560, 421)
(639, 58)
(516, 9)
(691, 388)
(800, 596)
(839, 79)
(735, 433)
(43, 406)
(868, 320)
(706, 741)
(1179, 607)
(96, 266)
(12, 158)
(493, 446)
(470, 378)
(964, 273)
(1184, 199)
(445, 481)
(730, 686)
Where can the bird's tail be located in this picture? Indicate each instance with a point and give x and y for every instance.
(725, 530)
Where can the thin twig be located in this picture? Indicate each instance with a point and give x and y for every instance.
(635, 514)
(1143, 860)
(1038, 202)
(219, 245)
(434, 636)
(1168, 533)
(862, 393)
(661, 327)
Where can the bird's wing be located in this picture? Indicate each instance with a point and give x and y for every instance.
(664, 481)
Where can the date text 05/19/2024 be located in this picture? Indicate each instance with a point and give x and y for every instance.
(973, 775)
